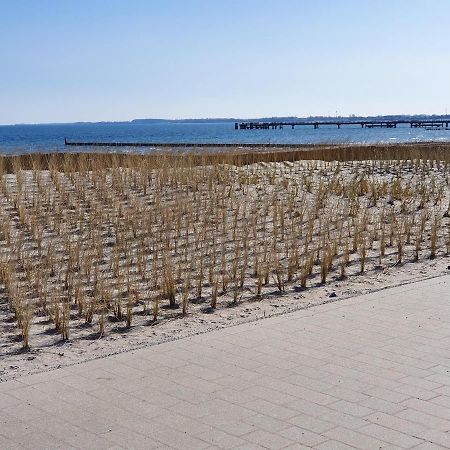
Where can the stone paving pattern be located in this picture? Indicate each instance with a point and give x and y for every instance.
(367, 372)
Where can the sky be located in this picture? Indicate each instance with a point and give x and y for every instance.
(112, 60)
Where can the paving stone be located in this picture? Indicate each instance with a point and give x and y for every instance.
(436, 437)
(431, 422)
(391, 436)
(221, 439)
(302, 436)
(354, 439)
(333, 445)
(429, 446)
(311, 423)
(126, 439)
(395, 423)
(351, 408)
(268, 440)
(380, 405)
(267, 423)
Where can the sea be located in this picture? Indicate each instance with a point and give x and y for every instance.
(15, 139)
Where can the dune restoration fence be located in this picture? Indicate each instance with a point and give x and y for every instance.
(92, 244)
(72, 161)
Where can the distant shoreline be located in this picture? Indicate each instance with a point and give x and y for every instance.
(237, 119)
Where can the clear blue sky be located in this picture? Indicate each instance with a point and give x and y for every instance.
(89, 60)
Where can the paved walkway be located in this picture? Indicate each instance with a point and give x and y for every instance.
(369, 372)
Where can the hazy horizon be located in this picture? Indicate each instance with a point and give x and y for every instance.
(111, 61)
(205, 119)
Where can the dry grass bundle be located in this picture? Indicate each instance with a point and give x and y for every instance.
(99, 238)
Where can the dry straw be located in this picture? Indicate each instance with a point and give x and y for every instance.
(103, 238)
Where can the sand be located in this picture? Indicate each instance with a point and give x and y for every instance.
(47, 349)
(46, 355)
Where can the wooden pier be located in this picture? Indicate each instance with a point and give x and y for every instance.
(413, 123)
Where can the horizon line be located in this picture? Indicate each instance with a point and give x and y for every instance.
(227, 119)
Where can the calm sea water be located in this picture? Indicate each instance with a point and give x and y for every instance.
(32, 138)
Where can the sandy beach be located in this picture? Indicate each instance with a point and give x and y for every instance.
(97, 262)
